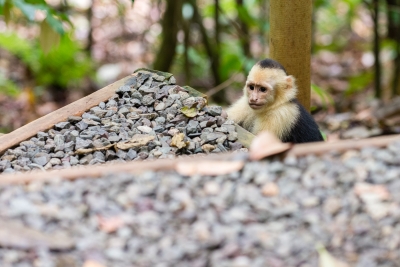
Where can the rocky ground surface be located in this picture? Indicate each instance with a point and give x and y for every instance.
(149, 117)
(271, 213)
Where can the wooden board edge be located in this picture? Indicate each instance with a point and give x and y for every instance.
(341, 145)
(44, 123)
(96, 171)
(245, 137)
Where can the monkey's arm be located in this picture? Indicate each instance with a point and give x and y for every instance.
(240, 112)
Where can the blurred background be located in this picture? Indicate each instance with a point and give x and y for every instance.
(55, 52)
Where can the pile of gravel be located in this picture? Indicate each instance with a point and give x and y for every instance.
(149, 117)
(271, 213)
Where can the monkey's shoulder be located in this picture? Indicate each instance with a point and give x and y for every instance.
(304, 128)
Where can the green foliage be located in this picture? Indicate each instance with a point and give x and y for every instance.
(8, 87)
(359, 82)
(63, 66)
(51, 27)
(325, 97)
(21, 48)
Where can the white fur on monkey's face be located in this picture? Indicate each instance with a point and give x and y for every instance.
(263, 86)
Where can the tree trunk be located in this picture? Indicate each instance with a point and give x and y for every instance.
(393, 33)
(244, 36)
(170, 27)
(377, 64)
(219, 97)
(290, 41)
(89, 15)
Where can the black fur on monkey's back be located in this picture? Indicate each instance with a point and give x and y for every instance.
(305, 129)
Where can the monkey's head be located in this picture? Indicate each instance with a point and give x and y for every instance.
(269, 85)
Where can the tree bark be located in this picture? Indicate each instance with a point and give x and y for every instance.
(244, 36)
(377, 64)
(290, 41)
(393, 33)
(170, 27)
(220, 97)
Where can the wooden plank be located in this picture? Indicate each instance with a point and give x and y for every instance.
(46, 122)
(245, 137)
(342, 145)
(96, 171)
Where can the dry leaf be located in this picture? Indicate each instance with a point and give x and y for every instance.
(207, 148)
(92, 263)
(137, 140)
(90, 150)
(110, 224)
(189, 112)
(208, 167)
(327, 260)
(177, 141)
(266, 144)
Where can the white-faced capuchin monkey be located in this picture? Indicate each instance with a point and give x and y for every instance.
(269, 103)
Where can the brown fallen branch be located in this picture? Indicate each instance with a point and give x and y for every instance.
(179, 163)
(130, 167)
(340, 146)
(44, 123)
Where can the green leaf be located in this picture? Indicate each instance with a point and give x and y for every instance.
(48, 37)
(359, 82)
(6, 11)
(245, 16)
(325, 96)
(27, 9)
(55, 24)
(189, 112)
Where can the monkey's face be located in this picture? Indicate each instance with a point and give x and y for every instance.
(266, 87)
(258, 95)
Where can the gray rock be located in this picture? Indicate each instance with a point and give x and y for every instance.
(41, 158)
(62, 125)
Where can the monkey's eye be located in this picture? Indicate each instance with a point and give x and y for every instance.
(263, 89)
(251, 87)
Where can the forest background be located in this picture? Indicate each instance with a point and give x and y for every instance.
(57, 51)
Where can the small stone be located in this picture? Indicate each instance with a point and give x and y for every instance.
(121, 154)
(148, 100)
(270, 190)
(55, 161)
(192, 126)
(62, 125)
(110, 155)
(73, 160)
(81, 125)
(41, 158)
(82, 143)
(233, 136)
(211, 188)
(172, 80)
(145, 129)
(86, 159)
(74, 119)
(160, 106)
(214, 110)
(132, 154)
(143, 155)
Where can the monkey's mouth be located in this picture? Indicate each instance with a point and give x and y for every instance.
(255, 106)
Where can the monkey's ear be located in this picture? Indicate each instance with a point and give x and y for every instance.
(289, 81)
